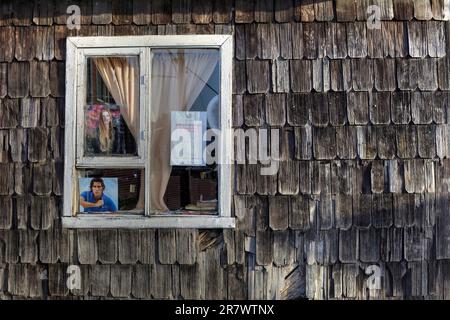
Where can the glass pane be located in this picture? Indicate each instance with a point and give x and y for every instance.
(112, 106)
(111, 190)
(185, 100)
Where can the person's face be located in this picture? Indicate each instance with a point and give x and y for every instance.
(106, 117)
(97, 189)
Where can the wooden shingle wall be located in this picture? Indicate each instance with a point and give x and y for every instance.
(364, 178)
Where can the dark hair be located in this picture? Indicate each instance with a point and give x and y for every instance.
(96, 180)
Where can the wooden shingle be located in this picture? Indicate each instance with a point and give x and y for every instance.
(407, 73)
(7, 44)
(186, 245)
(297, 40)
(142, 12)
(321, 178)
(101, 12)
(422, 10)
(244, 11)
(426, 140)
(403, 209)
(440, 107)
(436, 39)
(147, 246)
(380, 107)
(288, 177)
(358, 108)
(369, 244)
(346, 142)
(39, 79)
(240, 77)
(253, 106)
(343, 211)
(264, 11)
(324, 142)
(401, 42)
(345, 10)
(283, 11)
(341, 177)
(403, 9)
(87, 246)
(286, 40)
(382, 210)
(3, 79)
(268, 41)
(23, 37)
(356, 39)
(275, 106)
(202, 11)
(442, 226)
(222, 11)
(321, 75)
(323, 11)
(140, 281)
(406, 140)
(37, 144)
(421, 110)
(319, 110)
(366, 142)
(303, 142)
(384, 74)
(301, 208)
(251, 41)
(401, 107)
(414, 175)
(298, 109)
(362, 74)
(127, 245)
(258, 76)
(280, 76)
(336, 40)
(45, 44)
(18, 79)
(386, 142)
(100, 279)
(9, 113)
(428, 78)
(310, 40)
(417, 39)
(301, 75)
(120, 280)
(337, 106)
(278, 212)
(348, 240)
(167, 246)
(340, 75)
(107, 246)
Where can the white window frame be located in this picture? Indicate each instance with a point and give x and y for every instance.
(78, 48)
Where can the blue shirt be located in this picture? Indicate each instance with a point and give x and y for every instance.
(108, 204)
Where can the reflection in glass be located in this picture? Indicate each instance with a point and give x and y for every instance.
(112, 106)
(185, 91)
(109, 190)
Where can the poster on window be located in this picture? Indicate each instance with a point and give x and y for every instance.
(98, 195)
(187, 143)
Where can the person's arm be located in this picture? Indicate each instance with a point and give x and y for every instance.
(110, 204)
(86, 204)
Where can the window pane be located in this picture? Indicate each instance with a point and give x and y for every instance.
(112, 106)
(185, 96)
(111, 190)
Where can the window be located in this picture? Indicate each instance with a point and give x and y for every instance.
(148, 132)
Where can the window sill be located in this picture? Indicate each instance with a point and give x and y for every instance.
(143, 222)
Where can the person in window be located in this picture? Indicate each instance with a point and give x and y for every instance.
(105, 131)
(96, 200)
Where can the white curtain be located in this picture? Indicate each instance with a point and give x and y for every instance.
(121, 77)
(178, 78)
